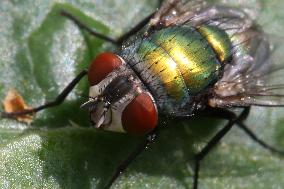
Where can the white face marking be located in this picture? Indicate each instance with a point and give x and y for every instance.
(115, 124)
(116, 108)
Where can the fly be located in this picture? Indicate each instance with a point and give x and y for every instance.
(188, 58)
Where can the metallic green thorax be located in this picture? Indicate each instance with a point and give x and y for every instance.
(179, 62)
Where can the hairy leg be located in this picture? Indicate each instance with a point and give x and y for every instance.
(217, 113)
(132, 156)
(57, 101)
(118, 41)
(255, 138)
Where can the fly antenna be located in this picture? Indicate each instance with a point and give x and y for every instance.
(90, 104)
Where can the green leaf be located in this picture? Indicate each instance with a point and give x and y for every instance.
(42, 51)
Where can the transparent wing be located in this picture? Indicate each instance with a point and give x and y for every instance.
(172, 11)
(247, 80)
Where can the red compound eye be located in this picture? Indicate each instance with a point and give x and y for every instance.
(101, 66)
(140, 115)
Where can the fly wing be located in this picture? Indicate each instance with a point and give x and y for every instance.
(248, 79)
(173, 12)
(176, 12)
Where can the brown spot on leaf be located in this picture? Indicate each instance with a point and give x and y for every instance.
(14, 102)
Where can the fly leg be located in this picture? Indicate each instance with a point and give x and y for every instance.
(58, 100)
(255, 138)
(118, 41)
(132, 156)
(218, 113)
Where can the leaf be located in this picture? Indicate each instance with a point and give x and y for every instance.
(42, 51)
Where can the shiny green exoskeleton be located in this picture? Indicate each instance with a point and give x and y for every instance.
(179, 64)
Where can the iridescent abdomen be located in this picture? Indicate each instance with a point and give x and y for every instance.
(176, 64)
